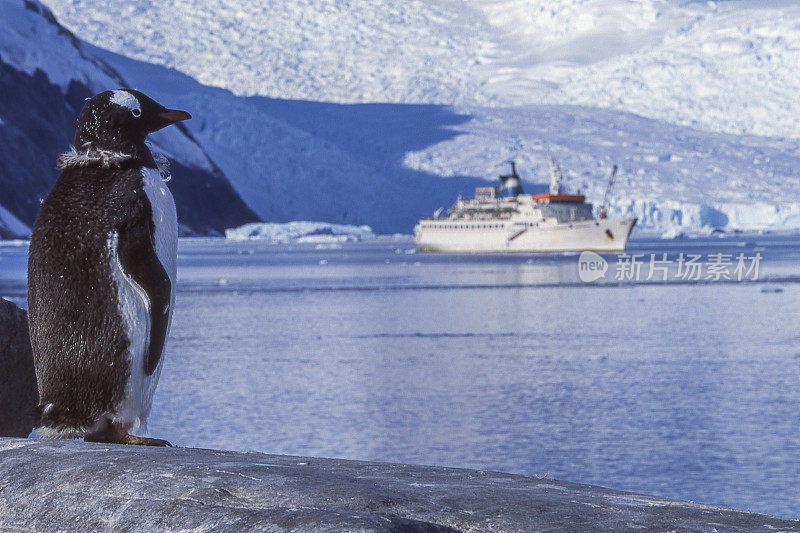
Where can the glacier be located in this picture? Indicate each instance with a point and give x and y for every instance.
(373, 112)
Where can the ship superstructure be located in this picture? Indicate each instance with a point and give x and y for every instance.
(505, 219)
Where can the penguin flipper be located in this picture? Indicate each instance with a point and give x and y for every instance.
(138, 258)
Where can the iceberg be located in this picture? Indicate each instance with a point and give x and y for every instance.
(300, 232)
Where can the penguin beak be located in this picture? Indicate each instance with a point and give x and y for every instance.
(173, 115)
(167, 118)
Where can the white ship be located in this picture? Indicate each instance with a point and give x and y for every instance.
(505, 219)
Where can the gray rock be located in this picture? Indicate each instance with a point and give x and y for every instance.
(18, 390)
(70, 485)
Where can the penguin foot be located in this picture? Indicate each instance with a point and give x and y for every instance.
(145, 441)
(111, 433)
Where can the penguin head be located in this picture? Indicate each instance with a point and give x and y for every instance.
(122, 119)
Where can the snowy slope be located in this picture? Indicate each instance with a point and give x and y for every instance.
(718, 81)
(46, 73)
(299, 160)
(725, 66)
(347, 51)
(283, 169)
(31, 40)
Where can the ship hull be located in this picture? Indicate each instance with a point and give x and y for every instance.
(601, 235)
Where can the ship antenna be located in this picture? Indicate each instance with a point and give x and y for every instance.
(607, 194)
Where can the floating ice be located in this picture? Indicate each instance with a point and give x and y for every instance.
(302, 232)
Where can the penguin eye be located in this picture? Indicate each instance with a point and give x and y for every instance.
(136, 112)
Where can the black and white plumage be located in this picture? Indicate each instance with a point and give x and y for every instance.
(101, 275)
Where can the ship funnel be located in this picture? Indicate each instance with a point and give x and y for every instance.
(555, 175)
(511, 187)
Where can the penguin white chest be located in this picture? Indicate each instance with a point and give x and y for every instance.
(165, 221)
(135, 304)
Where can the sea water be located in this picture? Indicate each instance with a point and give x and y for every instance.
(683, 388)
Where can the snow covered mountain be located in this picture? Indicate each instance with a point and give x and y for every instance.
(288, 160)
(46, 73)
(375, 112)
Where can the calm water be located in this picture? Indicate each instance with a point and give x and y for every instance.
(511, 363)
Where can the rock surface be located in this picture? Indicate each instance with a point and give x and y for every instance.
(51, 485)
(18, 391)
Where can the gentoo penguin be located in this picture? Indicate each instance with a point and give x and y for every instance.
(101, 275)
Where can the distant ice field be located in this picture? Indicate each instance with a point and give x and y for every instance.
(371, 351)
(695, 101)
(723, 66)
